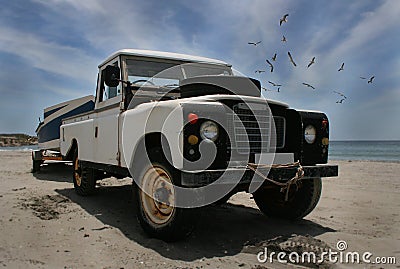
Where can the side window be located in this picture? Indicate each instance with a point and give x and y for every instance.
(109, 92)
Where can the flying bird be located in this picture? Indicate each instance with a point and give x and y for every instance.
(259, 71)
(283, 19)
(274, 57)
(371, 79)
(274, 84)
(341, 94)
(308, 85)
(342, 99)
(279, 89)
(254, 43)
(311, 62)
(271, 65)
(341, 67)
(291, 59)
(363, 77)
(284, 39)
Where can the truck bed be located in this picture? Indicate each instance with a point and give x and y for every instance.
(48, 131)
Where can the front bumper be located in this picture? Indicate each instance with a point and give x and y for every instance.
(232, 175)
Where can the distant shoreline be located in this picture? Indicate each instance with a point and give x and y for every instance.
(17, 140)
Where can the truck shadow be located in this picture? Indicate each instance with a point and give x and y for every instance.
(55, 171)
(222, 231)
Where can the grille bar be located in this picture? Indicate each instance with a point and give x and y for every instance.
(251, 129)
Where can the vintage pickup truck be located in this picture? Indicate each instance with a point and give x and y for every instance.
(191, 132)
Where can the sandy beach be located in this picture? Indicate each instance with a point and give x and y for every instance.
(44, 224)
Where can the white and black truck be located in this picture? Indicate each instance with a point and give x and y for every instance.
(191, 132)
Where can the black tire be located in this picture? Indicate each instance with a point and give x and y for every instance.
(36, 166)
(83, 177)
(160, 220)
(224, 199)
(272, 202)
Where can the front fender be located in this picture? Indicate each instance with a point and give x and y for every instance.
(164, 117)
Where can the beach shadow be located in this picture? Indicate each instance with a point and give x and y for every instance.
(55, 171)
(221, 231)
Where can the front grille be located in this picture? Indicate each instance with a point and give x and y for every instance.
(251, 129)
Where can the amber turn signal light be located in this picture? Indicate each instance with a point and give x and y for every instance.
(325, 141)
(193, 140)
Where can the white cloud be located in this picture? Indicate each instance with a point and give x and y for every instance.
(373, 25)
(87, 5)
(48, 56)
(112, 25)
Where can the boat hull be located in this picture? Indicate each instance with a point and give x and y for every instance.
(48, 131)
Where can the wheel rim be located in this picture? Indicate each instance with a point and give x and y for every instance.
(157, 195)
(77, 172)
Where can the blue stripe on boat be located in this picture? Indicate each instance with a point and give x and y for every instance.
(51, 130)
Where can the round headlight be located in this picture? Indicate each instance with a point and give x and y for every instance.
(209, 130)
(310, 134)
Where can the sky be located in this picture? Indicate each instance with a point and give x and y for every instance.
(50, 50)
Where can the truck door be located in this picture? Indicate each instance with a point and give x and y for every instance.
(106, 131)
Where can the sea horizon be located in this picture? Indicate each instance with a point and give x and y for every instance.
(346, 150)
(365, 150)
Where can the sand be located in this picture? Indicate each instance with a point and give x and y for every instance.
(44, 224)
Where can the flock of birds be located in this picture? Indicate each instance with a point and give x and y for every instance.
(283, 20)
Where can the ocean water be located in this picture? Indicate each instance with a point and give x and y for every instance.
(388, 151)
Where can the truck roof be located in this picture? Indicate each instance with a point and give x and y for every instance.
(165, 55)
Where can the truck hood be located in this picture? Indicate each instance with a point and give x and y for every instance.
(219, 97)
(218, 88)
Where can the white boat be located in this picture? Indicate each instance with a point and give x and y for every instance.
(48, 131)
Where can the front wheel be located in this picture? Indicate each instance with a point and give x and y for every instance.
(155, 197)
(272, 202)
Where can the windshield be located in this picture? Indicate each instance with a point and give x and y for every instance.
(196, 70)
(169, 74)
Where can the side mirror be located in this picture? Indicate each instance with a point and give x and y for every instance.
(111, 75)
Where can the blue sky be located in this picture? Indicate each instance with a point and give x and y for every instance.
(50, 49)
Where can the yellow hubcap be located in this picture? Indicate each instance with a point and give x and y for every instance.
(157, 195)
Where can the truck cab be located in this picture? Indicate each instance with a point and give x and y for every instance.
(191, 132)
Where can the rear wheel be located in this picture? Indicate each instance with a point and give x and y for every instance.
(155, 197)
(300, 203)
(83, 177)
(36, 165)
